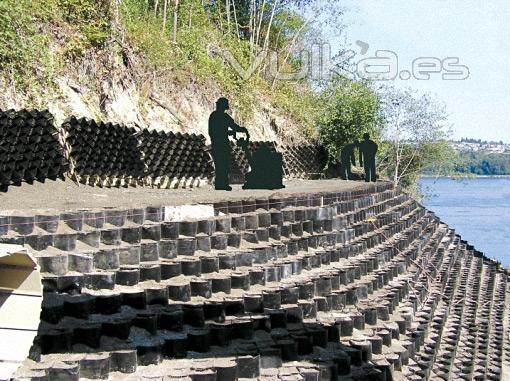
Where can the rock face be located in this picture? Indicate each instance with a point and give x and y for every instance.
(360, 285)
(183, 108)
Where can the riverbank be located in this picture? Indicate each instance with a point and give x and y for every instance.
(466, 177)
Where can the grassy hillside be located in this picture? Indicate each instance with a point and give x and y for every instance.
(89, 42)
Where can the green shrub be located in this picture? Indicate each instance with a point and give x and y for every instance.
(350, 109)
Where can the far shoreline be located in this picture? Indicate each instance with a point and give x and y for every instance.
(466, 177)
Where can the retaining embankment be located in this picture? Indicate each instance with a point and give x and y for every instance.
(353, 285)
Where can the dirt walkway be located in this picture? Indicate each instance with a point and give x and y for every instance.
(66, 195)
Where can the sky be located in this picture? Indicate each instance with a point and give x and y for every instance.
(477, 32)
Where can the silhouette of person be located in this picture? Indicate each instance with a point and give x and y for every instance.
(367, 151)
(347, 157)
(221, 125)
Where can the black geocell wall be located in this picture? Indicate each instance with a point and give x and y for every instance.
(112, 155)
(164, 159)
(169, 155)
(29, 148)
(304, 161)
(102, 154)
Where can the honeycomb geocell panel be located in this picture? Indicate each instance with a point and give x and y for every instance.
(102, 154)
(174, 156)
(30, 148)
(111, 155)
(353, 284)
(305, 162)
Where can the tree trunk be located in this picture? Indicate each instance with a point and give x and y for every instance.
(227, 7)
(190, 15)
(261, 16)
(235, 20)
(396, 177)
(266, 41)
(165, 11)
(176, 7)
(252, 25)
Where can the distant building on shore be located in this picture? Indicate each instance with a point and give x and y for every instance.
(475, 145)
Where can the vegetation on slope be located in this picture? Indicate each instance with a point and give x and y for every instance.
(39, 38)
(170, 41)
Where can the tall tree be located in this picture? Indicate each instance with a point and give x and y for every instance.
(176, 15)
(414, 136)
(349, 109)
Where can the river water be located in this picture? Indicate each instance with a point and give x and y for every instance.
(478, 209)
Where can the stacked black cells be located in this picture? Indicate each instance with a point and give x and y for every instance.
(239, 165)
(29, 148)
(303, 161)
(170, 157)
(112, 155)
(103, 154)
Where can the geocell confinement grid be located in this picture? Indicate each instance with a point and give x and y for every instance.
(309, 287)
(102, 154)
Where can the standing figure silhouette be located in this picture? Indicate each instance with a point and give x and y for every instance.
(348, 158)
(367, 151)
(221, 125)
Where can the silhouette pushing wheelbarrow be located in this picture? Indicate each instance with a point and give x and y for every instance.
(266, 165)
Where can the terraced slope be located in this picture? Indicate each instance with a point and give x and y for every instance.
(361, 285)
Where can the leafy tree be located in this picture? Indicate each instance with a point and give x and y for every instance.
(414, 136)
(349, 109)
